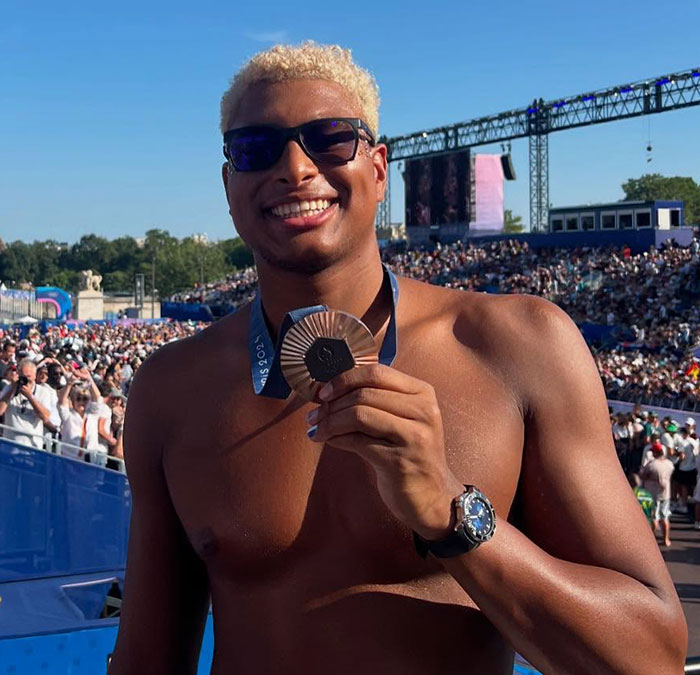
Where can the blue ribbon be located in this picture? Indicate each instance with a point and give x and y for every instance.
(265, 367)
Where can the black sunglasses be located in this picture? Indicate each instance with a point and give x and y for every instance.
(327, 141)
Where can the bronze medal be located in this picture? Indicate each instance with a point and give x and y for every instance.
(321, 346)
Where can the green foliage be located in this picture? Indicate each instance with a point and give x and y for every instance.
(512, 224)
(655, 186)
(179, 263)
(237, 254)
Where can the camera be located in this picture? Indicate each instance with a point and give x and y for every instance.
(22, 381)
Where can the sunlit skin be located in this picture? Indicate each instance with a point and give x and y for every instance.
(304, 545)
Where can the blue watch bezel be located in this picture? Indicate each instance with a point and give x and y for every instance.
(463, 538)
(463, 503)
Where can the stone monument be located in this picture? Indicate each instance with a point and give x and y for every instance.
(90, 301)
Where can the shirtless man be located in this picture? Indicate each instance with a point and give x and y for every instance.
(304, 540)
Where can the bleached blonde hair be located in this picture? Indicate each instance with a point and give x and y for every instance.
(308, 61)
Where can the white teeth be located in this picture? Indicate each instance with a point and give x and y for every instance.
(303, 208)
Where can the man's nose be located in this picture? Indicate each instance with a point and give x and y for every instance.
(295, 166)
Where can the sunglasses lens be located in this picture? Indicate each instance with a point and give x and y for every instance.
(332, 141)
(254, 148)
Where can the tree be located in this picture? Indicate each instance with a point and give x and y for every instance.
(236, 253)
(179, 263)
(512, 224)
(653, 186)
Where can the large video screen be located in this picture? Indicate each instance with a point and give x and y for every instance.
(437, 189)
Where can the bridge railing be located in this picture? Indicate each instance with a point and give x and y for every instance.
(63, 449)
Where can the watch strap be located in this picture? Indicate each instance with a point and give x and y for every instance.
(454, 544)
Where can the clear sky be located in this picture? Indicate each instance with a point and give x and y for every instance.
(109, 111)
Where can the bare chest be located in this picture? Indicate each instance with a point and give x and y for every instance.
(256, 496)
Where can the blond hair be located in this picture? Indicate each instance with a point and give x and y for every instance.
(308, 61)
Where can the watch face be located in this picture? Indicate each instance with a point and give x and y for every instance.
(478, 518)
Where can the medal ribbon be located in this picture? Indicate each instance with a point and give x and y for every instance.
(266, 371)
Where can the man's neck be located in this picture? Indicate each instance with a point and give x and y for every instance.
(349, 286)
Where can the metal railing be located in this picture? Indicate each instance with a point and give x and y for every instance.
(15, 304)
(631, 395)
(58, 447)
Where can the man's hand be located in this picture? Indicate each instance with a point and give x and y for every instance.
(26, 391)
(392, 421)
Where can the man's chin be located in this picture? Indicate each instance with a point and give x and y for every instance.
(307, 263)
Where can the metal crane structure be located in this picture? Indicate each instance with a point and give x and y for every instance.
(538, 120)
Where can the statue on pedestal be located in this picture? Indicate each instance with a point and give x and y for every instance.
(90, 281)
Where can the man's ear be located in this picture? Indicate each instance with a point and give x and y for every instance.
(381, 169)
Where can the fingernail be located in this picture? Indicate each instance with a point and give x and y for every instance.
(326, 392)
(312, 416)
(312, 431)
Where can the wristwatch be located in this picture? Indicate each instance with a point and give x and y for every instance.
(475, 523)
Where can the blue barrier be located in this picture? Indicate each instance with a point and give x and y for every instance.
(186, 311)
(79, 652)
(59, 516)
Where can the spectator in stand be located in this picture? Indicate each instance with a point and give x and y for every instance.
(622, 435)
(637, 445)
(10, 375)
(98, 373)
(650, 448)
(25, 405)
(7, 357)
(107, 440)
(53, 426)
(78, 407)
(118, 411)
(113, 376)
(669, 440)
(652, 427)
(686, 473)
(668, 436)
(644, 497)
(657, 480)
(690, 424)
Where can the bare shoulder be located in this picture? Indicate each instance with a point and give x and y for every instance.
(182, 357)
(521, 336)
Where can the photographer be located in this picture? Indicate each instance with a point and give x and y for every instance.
(25, 405)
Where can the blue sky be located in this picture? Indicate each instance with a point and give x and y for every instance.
(109, 112)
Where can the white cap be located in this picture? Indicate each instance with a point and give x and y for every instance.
(690, 420)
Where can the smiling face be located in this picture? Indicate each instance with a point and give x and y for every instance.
(264, 203)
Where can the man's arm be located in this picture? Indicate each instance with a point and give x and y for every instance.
(166, 593)
(104, 433)
(583, 588)
(63, 394)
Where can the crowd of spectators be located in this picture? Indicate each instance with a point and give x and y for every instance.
(646, 299)
(663, 458)
(65, 387)
(233, 291)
